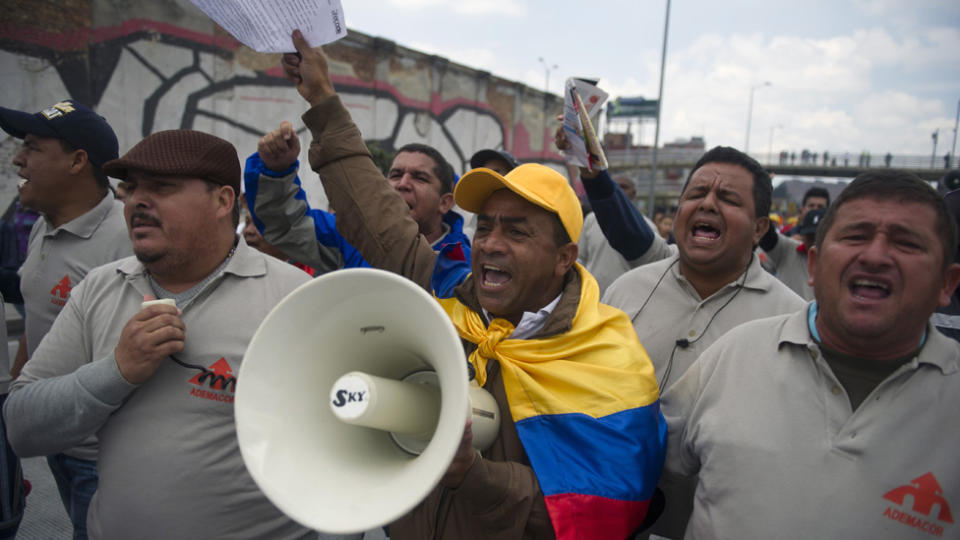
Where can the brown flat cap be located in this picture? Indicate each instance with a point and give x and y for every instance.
(181, 152)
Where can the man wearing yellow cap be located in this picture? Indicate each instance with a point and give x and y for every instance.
(581, 444)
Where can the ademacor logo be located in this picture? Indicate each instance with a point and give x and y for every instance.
(921, 505)
(60, 291)
(218, 377)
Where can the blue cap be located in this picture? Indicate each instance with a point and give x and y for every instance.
(482, 156)
(68, 120)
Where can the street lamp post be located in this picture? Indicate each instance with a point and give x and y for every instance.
(547, 68)
(746, 143)
(651, 201)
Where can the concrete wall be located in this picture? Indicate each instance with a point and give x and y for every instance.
(150, 65)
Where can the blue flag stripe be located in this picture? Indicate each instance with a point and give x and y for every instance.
(618, 456)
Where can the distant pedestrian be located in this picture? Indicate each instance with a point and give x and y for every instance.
(887, 159)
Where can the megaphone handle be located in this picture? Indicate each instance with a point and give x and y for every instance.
(485, 414)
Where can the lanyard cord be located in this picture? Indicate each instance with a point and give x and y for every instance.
(683, 342)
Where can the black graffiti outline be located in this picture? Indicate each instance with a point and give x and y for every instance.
(91, 91)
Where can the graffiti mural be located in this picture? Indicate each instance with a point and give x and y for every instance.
(170, 71)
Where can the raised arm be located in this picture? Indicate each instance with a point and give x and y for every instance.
(622, 224)
(370, 214)
(280, 211)
(619, 219)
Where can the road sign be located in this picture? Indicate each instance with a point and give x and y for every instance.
(632, 107)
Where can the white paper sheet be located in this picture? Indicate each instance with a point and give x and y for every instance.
(583, 100)
(265, 25)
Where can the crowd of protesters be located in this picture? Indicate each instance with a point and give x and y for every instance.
(709, 372)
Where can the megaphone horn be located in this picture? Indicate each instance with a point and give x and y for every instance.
(383, 355)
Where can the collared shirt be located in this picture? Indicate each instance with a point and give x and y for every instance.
(58, 258)
(603, 262)
(666, 309)
(779, 452)
(792, 266)
(168, 447)
(530, 322)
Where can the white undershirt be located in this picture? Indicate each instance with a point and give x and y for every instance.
(530, 323)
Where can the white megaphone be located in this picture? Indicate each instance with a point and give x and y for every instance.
(352, 400)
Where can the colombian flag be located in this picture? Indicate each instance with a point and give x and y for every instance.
(587, 409)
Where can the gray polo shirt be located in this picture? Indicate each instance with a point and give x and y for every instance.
(664, 308)
(169, 462)
(58, 258)
(603, 262)
(791, 266)
(768, 429)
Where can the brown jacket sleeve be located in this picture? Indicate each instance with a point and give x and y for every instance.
(500, 497)
(370, 214)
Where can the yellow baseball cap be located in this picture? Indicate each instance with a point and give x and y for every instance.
(536, 183)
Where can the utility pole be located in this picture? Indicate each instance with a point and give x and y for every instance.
(933, 157)
(953, 147)
(656, 134)
(770, 147)
(746, 143)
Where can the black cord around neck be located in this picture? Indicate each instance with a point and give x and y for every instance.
(684, 342)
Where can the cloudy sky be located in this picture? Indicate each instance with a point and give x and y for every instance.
(845, 75)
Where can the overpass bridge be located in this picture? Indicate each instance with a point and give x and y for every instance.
(673, 165)
(840, 165)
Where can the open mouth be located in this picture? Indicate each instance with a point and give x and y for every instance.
(868, 289)
(21, 182)
(494, 276)
(705, 230)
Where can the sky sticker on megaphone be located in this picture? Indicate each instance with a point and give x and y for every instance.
(350, 396)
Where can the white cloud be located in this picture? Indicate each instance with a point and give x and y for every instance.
(824, 91)
(877, 74)
(506, 8)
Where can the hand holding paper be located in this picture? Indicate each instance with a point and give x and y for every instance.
(308, 70)
(581, 100)
(266, 26)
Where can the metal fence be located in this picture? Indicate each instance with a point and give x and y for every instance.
(686, 157)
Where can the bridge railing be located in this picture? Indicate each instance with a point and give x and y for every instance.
(686, 157)
(849, 159)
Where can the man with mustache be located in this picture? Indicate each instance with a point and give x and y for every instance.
(580, 466)
(834, 421)
(61, 167)
(157, 382)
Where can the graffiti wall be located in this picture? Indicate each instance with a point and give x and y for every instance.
(150, 65)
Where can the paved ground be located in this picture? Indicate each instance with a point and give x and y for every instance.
(44, 517)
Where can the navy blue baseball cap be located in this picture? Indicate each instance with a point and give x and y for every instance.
(483, 156)
(68, 120)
